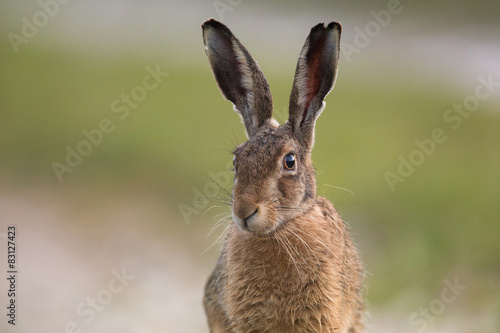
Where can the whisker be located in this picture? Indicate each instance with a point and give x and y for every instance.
(235, 138)
(222, 218)
(340, 188)
(289, 208)
(233, 145)
(288, 251)
(319, 242)
(221, 236)
(220, 187)
(305, 243)
(223, 149)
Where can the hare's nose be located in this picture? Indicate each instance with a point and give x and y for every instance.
(243, 215)
(246, 219)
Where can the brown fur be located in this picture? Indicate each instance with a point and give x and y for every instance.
(288, 263)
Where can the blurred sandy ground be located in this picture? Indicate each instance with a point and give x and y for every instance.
(68, 246)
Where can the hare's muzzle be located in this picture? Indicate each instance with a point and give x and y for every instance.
(244, 219)
(251, 217)
(245, 214)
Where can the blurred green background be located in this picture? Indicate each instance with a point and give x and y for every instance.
(122, 205)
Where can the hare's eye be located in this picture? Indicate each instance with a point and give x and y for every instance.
(289, 162)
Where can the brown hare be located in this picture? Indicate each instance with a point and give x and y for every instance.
(288, 264)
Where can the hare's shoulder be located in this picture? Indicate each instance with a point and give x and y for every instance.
(327, 209)
(331, 219)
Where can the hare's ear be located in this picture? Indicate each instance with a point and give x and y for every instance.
(314, 79)
(238, 76)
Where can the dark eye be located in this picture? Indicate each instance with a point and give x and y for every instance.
(289, 162)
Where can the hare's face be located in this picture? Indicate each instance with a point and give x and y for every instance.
(272, 181)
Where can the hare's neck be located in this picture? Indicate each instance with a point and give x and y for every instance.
(296, 251)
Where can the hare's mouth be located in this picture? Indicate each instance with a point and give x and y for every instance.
(257, 221)
(251, 215)
(248, 221)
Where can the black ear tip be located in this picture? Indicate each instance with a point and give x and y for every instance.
(320, 27)
(334, 26)
(216, 25)
(212, 23)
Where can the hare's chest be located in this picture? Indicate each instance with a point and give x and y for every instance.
(284, 292)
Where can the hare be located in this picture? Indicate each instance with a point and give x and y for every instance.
(288, 263)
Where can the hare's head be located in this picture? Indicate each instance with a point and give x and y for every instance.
(274, 178)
